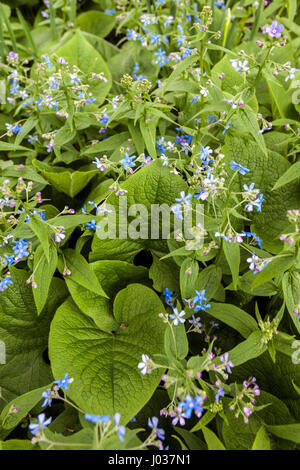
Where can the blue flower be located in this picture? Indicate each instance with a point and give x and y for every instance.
(184, 199)
(177, 317)
(42, 424)
(168, 296)
(48, 61)
(226, 127)
(131, 35)
(63, 383)
(160, 433)
(220, 393)
(97, 419)
(241, 169)
(9, 259)
(110, 12)
(91, 225)
(195, 321)
(205, 154)
(6, 281)
(212, 119)
(20, 250)
(200, 296)
(161, 59)
(120, 429)
(127, 161)
(189, 404)
(48, 398)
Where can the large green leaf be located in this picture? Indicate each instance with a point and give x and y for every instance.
(25, 335)
(104, 365)
(153, 184)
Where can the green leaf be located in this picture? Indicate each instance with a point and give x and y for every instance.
(264, 172)
(41, 230)
(70, 221)
(111, 143)
(232, 254)
(291, 432)
(204, 420)
(291, 174)
(164, 273)
(234, 317)
(291, 293)
(24, 404)
(43, 273)
(193, 442)
(212, 441)
(249, 349)
(16, 444)
(152, 185)
(7, 147)
(188, 276)
(96, 22)
(262, 440)
(245, 284)
(148, 131)
(176, 342)
(79, 52)
(25, 335)
(67, 181)
(273, 269)
(112, 276)
(80, 271)
(104, 365)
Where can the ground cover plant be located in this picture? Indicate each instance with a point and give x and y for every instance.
(149, 228)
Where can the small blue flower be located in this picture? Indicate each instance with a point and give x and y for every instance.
(161, 59)
(228, 364)
(48, 61)
(241, 169)
(184, 199)
(63, 383)
(4, 284)
(220, 393)
(168, 296)
(177, 317)
(41, 425)
(91, 225)
(48, 398)
(127, 161)
(152, 423)
(97, 419)
(120, 429)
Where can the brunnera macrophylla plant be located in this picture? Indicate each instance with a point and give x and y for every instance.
(150, 225)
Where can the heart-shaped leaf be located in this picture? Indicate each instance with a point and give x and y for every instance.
(104, 365)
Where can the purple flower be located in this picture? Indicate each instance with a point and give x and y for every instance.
(226, 362)
(274, 31)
